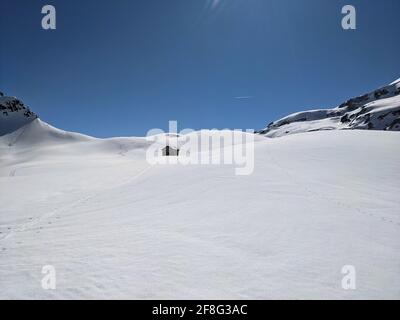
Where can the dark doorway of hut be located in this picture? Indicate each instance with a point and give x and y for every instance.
(168, 151)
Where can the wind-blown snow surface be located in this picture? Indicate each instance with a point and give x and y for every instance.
(115, 227)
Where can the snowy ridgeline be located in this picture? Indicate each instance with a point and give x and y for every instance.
(13, 114)
(379, 110)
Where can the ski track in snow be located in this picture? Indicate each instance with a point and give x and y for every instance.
(301, 184)
(28, 226)
(12, 173)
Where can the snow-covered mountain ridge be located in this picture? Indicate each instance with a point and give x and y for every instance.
(13, 114)
(378, 110)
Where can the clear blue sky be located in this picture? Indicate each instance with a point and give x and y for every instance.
(120, 68)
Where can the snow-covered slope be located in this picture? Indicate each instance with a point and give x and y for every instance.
(379, 110)
(13, 114)
(115, 227)
(38, 132)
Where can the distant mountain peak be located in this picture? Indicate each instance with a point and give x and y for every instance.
(377, 110)
(13, 114)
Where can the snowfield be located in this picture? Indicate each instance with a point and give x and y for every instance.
(115, 227)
